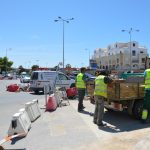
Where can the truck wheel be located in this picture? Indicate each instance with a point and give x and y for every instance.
(36, 91)
(137, 109)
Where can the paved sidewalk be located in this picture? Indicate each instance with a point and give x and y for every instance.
(67, 129)
(63, 129)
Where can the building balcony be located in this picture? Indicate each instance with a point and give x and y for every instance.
(135, 61)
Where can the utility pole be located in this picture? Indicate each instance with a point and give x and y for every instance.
(130, 36)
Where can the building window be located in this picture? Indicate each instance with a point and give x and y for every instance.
(143, 60)
(133, 44)
(117, 60)
(141, 52)
(116, 45)
(133, 53)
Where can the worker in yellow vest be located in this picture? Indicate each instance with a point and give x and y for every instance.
(100, 94)
(146, 104)
(81, 80)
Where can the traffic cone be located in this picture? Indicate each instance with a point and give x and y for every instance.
(51, 103)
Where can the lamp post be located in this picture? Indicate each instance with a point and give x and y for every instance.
(63, 21)
(130, 34)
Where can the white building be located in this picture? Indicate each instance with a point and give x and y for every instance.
(121, 56)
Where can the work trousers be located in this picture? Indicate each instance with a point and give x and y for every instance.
(81, 94)
(146, 104)
(99, 109)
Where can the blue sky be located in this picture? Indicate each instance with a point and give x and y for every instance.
(28, 28)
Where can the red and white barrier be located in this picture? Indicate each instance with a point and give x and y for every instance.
(51, 103)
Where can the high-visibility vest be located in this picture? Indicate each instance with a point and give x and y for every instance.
(79, 81)
(144, 114)
(100, 86)
(147, 79)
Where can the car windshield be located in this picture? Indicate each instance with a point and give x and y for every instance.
(26, 76)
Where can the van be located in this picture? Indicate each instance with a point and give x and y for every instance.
(53, 78)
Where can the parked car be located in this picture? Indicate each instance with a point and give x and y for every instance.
(24, 78)
(41, 78)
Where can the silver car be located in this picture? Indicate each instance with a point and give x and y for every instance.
(25, 79)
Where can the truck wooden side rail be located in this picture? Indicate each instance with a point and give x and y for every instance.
(123, 95)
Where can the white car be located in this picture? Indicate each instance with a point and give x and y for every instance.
(41, 78)
(25, 79)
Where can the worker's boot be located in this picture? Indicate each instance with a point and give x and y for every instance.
(80, 109)
(101, 124)
(83, 106)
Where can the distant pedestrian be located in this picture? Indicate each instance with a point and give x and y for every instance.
(100, 94)
(81, 80)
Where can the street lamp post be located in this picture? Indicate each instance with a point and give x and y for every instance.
(130, 34)
(63, 21)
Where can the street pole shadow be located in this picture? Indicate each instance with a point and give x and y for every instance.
(13, 141)
(86, 112)
(16, 149)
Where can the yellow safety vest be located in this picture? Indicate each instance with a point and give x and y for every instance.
(100, 86)
(147, 79)
(79, 81)
(144, 114)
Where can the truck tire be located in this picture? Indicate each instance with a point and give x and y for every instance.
(36, 91)
(137, 109)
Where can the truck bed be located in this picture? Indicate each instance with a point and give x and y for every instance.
(121, 90)
(118, 91)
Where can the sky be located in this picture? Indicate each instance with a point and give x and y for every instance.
(29, 35)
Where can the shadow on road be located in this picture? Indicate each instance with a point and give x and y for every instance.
(13, 141)
(86, 112)
(39, 93)
(17, 149)
(121, 122)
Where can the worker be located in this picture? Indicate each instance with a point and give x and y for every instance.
(146, 103)
(81, 80)
(100, 94)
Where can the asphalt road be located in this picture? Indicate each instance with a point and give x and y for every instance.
(10, 103)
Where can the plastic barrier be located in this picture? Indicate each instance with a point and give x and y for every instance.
(29, 110)
(26, 116)
(58, 97)
(51, 103)
(71, 92)
(32, 110)
(36, 108)
(13, 88)
(19, 124)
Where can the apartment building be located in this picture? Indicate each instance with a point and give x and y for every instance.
(121, 56)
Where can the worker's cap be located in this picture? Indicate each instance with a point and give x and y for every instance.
(83, 69)
(103, 72)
